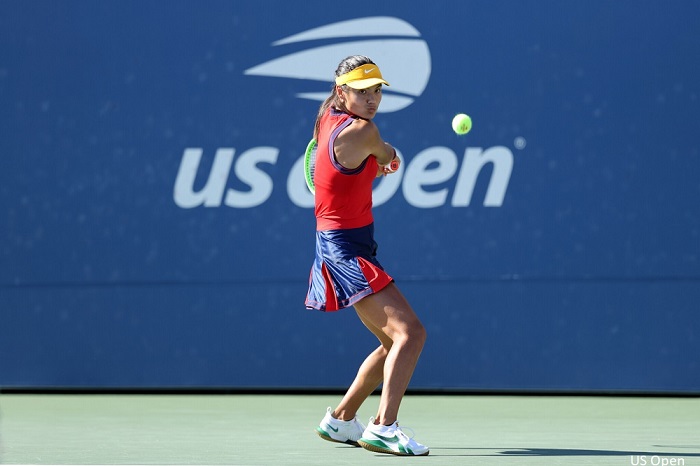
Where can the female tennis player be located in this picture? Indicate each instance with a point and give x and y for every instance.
(346, 272)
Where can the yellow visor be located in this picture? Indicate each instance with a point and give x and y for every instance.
(362, 77)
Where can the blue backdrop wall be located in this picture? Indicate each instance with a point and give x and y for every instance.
(155, 230)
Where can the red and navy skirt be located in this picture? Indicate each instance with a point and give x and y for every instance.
(345, 270)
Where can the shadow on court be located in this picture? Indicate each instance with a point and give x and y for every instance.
(452, 451)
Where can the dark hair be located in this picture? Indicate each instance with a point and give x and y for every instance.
(345, 66)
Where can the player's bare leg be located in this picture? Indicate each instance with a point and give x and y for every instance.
(389, 315)
(368, 378)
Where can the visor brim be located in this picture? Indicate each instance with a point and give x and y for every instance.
(365, 83)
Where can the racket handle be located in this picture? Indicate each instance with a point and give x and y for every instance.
(394, 165)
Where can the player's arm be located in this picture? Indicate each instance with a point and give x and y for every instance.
(360, 140)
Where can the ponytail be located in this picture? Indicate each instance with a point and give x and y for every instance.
(322, 110)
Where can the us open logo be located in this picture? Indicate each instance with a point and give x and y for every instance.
(395, 44)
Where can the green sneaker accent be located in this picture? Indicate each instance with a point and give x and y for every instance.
(376, 443)
(326, 436)
(393, 439)
(381, 447)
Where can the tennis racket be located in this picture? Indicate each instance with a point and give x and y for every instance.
(394, 164)
(310, 165)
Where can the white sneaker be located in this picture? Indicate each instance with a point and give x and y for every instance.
(390, 439)
(335, 430)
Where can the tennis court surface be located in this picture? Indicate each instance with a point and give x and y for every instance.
(277, 430)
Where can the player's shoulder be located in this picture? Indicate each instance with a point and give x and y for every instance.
(363, 128)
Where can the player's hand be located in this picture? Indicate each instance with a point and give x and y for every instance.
(393, 166)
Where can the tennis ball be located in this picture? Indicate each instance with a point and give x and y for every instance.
(461, 123)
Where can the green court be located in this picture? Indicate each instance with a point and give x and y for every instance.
(279, 430)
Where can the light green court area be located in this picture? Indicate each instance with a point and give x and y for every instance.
(274, 430)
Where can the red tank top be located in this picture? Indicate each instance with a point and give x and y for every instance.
(343, 196)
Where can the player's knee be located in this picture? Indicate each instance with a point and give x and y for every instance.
(383, 350)
(416, 333)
